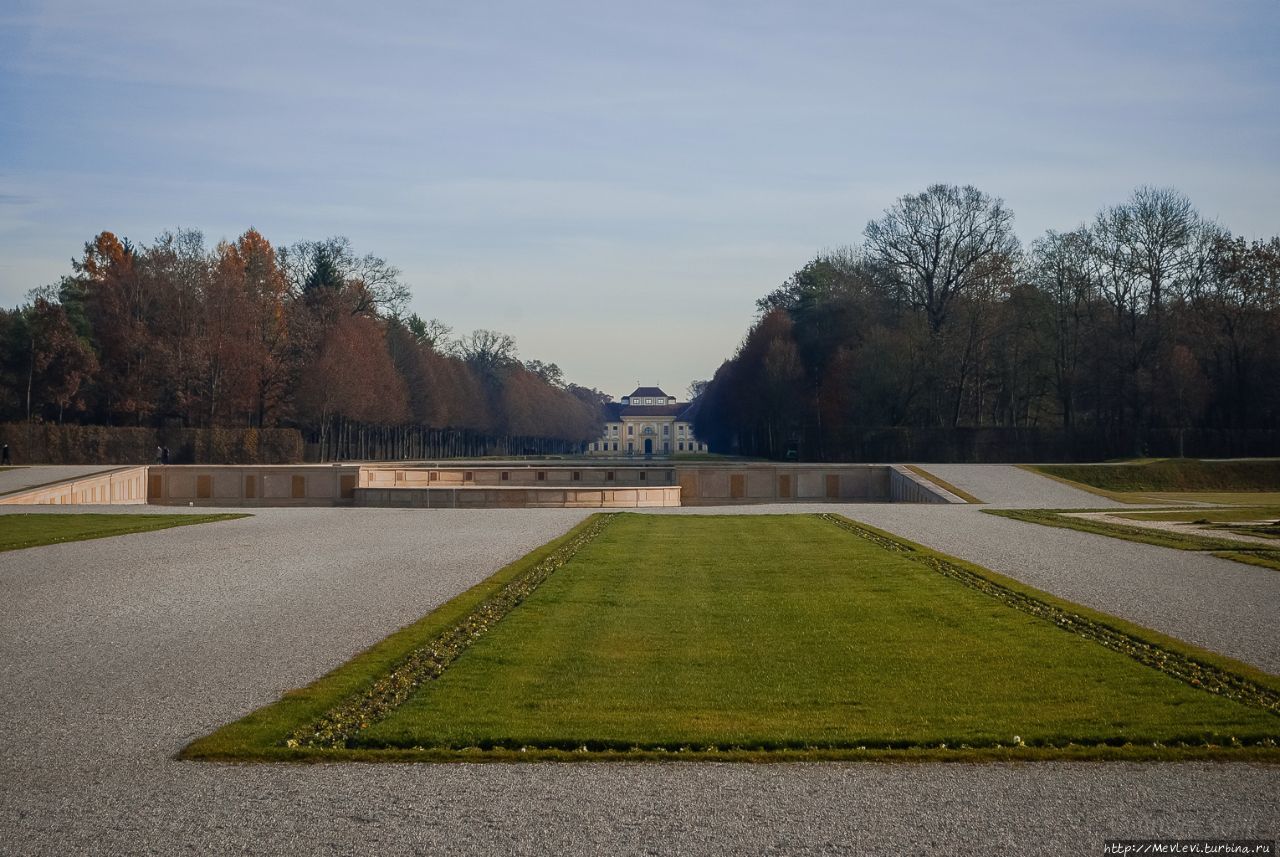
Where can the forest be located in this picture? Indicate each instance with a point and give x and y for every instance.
(1150, 330)
(312, 336)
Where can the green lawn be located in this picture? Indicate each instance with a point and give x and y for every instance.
(1258, 521)
(1233, 514)
(32, 530)
(1252, 554)
(771, 637)
(1173, 475)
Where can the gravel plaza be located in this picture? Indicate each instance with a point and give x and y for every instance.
(115, 653)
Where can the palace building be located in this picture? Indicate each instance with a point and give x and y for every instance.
(647, 422)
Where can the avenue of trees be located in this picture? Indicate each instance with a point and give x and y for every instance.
(312, 336)
(1151, 322)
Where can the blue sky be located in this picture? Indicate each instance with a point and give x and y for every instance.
(614, 184)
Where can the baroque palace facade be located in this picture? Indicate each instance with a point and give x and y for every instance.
(647, 422)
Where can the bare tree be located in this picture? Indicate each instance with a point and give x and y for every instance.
(369, 282)
(548, 372)
(930, 246)
(486, 351)
(1154, 237)
(1059, 267)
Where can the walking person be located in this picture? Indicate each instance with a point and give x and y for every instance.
(159, 455)
(4, 456)
(164, 455)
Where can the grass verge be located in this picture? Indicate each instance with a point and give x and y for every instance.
(1261, 555)
(34, 529)
(776, 638)
(942, 483)
(1172, 475)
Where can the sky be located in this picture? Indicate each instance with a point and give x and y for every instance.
(614, 184)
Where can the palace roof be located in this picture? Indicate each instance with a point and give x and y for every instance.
(615, 411)
(648, 392)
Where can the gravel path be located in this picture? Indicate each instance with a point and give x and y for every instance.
(1007, 485)
(114, 653)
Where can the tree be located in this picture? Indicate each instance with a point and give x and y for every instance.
(319, 270)
(58, 362)
(1059, 268)
(931, 246)
(487, 351)
(548, 372)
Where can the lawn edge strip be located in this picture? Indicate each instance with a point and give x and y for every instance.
(1262, 560)
(1187, 664)
(338, 726)
(1129, 752)
(944, 484)
(1065, 519)
(155, 523)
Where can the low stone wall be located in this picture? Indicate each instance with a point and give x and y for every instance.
(510, 485)
(515, 475)
(908, 487)
(700, 484)
(782, 483)
(280, 485)
(126, 486)
(518, 497)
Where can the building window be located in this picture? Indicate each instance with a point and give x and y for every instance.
(505, 476)
(666, 429)
(577, 476)
(631, 447)
(608, 477)
(615, 446)
(468, 476)
(631, 429)
(680, 446)
(642, 475)
(542, 476)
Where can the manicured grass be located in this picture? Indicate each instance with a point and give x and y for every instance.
(1224, 498)
(1259, 521)
(942, 483)
(1225, 548)
(759, 637)
(33, 530)
(1173, 474)
(1208, 515)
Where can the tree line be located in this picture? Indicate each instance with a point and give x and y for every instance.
(312, 335)
(1149, 320)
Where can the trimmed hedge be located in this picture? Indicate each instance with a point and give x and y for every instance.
(72, 444)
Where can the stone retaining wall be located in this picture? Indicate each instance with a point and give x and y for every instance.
(502, 485)
(122, 487)
(230, 485)
(518, 497)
